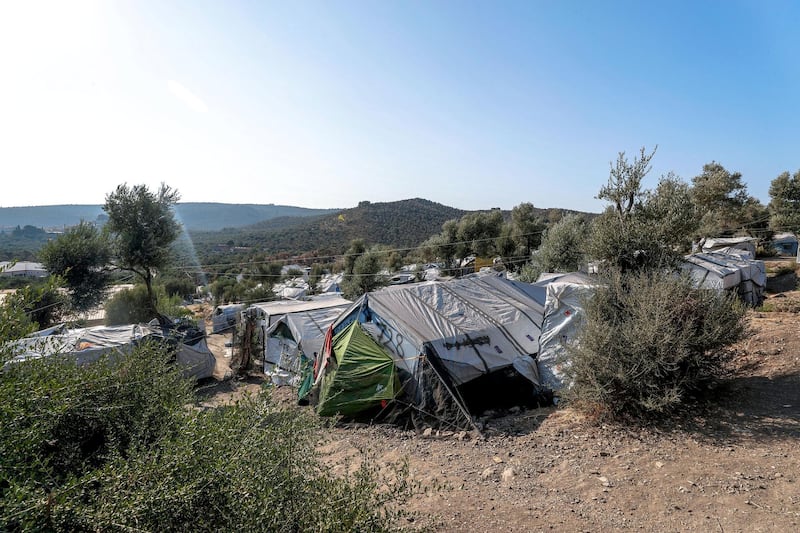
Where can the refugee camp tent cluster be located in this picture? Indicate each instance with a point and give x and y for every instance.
(287, 334)
(87, 345)
(448, 349)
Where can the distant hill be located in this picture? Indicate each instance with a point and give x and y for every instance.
(403, 223)
(199, 216)
(400, 224)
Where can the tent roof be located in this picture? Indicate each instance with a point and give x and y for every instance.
(476, 324)
(283, 307)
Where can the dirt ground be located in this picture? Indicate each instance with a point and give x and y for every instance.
(731, 465)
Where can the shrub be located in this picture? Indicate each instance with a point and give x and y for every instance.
(117, 445)
(131, 306)
(649, 341)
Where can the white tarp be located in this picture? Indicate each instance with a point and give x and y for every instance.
(747, 244)
(476, 325)
(87, 345)
(563, 316)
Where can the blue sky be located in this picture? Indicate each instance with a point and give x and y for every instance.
(324, 104)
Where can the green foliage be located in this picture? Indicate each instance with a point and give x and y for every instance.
(724, 205)
(178, 285)
(132, 306)
(563, 248)
(143, 227)
(477, 231)
(22, 243)
(15, 323)
(648, 342)
(784, 205)
(641, 229)
(80, 257)
(30, 308)
(113, 446)
(365, 275)
(527, 226)
(624, 188)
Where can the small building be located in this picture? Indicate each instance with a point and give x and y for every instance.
(27, 269)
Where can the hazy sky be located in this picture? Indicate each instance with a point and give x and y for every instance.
(323, 104)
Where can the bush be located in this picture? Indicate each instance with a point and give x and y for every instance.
(648, 342)
(117, 446)
(131, 306)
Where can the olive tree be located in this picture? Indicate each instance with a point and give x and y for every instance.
(80, 256)
(142, 227)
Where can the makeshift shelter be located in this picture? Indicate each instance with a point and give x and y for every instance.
(361, 375)
(224, 317)
(456, 345)
(748, 277)
(285, 333)
(731, 246)
(785, 244)
(87, 345)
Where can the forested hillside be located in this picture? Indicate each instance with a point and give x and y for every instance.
(403, 223)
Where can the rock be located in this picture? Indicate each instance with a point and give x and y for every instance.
(428, 432)
(659, 464)
(508, 474)
(497, 459)
(488, 473)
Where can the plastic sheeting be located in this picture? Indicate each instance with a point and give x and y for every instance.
(224, 317)
(87, 345)
(475, 325)
(293, 328)
(563, 316)
(728, 272)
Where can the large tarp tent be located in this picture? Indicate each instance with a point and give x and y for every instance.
(287, 332)
(455, 332)
(87, 345)
(361, 374)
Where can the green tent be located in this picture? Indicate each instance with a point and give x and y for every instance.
(362, 376)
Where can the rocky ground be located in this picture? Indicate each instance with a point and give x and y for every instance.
(731, 464)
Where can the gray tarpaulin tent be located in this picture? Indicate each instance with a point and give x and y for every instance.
(287, 329)
(451, 333)
(87, 345)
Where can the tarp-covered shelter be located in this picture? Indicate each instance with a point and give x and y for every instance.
(785, 244)
(447, 336)
(731, 246)
(748, 277)
(87, 345)
(361, 375)
(289, 331)
(224, 317)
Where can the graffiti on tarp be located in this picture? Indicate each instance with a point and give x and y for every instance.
(477, 341)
